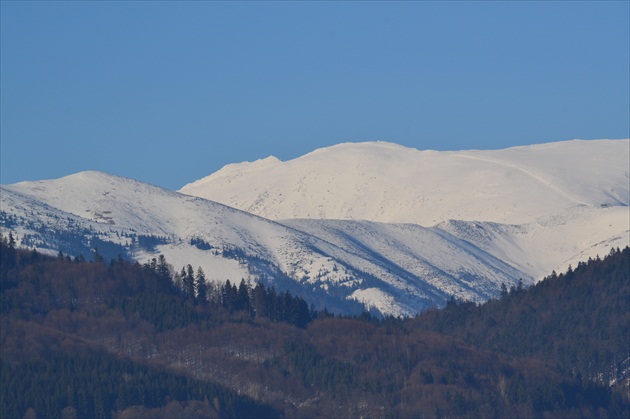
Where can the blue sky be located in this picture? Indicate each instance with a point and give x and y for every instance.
(167, 93)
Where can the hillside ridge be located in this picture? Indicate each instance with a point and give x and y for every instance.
(386, 182)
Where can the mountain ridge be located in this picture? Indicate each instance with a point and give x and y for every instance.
(360, 181)
(121, 211)
(395, 267)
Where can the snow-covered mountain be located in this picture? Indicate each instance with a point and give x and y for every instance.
(368, 225)
(385, 182)
(539, 208)
(393, 268)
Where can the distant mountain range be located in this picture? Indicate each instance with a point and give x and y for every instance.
(354, 226)
(386, 182)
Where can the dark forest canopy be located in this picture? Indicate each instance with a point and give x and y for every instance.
(579, 319)
(120, 339)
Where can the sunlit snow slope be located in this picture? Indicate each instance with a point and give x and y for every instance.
(367, 225)
(395, 269)
(538, 208)
(385, 182)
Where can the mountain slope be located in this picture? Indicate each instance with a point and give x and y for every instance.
(385, 182)
(537, 208)
(578, 319)
(549, 242)
(395, 269)
(549, 351)
(411, 256)
(523, 212)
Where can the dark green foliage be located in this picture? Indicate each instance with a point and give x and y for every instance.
(121, 339)
(188, 281)
(161, 310)
(579, 320)
(107, 249)
(200, 244)
(8, 261)
(201, 287)
(150, 242)
(315, 370)
(70, 238)
(96, 385)
(332, 299)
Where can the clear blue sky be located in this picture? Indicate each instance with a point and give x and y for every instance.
(167, 93)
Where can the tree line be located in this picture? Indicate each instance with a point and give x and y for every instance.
(246, 350)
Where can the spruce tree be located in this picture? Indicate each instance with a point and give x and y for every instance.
(163, 271)
(201, 286)
(188, 279)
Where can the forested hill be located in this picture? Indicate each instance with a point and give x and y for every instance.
(120, 339)
(579, 320)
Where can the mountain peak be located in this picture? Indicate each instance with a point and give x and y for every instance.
(375, 148)
(518, 213)
(365, 145)
(386, 182)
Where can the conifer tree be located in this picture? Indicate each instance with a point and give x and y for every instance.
(260, 301)
(242, 302)
(97, 256)
(188, 279)
(11, 241)
(163, 271)
(201, 286)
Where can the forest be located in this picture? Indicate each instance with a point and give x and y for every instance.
(118, 339)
